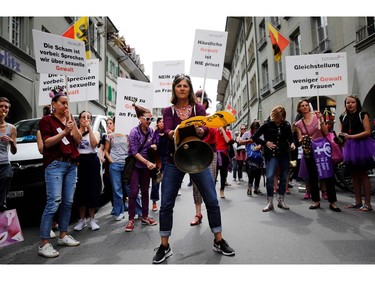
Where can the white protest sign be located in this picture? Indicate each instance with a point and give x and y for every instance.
(317, 75)
(59, 55)
(129, 91)
(163, 73)
(81, 88)
(208, 54)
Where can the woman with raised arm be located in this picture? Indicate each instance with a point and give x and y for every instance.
(61, 137)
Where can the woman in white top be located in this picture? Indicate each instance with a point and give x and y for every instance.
(89, 184)
(8, 135)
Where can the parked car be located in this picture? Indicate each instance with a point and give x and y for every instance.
(27, 191)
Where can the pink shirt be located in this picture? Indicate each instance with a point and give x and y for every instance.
(313, 130)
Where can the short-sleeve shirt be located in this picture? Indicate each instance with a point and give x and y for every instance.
(66, 148)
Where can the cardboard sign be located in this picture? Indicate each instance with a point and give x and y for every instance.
(163, 73)
(10, 229)
(59, 55)
(81, 88)
(208, 54)
(317, 75)
(129, 91)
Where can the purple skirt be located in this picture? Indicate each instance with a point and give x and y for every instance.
(359, 154)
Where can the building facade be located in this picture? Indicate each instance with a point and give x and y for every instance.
(253, 82)
(19, 80)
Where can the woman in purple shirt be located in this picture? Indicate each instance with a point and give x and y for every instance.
(141, 138)
(185, 106)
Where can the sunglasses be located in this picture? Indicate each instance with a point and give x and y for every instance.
(148, 119)
(181, 75)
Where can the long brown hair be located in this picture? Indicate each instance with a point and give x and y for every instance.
(177, 79)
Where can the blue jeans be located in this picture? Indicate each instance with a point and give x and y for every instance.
(281, 162)
(118, 187)
(172, 180)
(61, 178)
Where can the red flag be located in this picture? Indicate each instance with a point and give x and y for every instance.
(279, 42)
(230, 109)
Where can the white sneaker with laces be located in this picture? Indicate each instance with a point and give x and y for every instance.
(120, 217)
(93, 224)
(52, 234)
(48, 251)
(67, 240)
(80, 225)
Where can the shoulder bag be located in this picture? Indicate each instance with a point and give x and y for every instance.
(130, 163)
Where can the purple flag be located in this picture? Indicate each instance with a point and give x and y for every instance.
(323, 158)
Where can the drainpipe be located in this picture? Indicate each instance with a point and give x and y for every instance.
(259, 112)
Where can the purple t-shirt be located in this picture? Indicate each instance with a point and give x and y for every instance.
(171, 121)
(136, 139)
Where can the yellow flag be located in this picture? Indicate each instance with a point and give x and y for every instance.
(80, 31)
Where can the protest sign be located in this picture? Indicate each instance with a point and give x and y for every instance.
(81, 88)
(208, 54)
(59, 55)
(128, 92)
(317, 75)
(163, 75)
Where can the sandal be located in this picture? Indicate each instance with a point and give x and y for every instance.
(197, 220)
(353, 206)
(365, 209)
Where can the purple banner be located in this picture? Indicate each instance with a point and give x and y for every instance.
(323, 159)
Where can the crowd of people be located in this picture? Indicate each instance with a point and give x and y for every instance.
(280, 151)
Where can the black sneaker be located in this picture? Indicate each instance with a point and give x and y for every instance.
(223, 248)
(162, 254)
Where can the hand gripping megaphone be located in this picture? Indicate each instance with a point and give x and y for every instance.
(192, 155)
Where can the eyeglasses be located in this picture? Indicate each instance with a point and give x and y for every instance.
(148, 119)
(181, 75)
(242, 129)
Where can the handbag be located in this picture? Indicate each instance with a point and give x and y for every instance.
(130, 163)
(231, 151)
(253, 154)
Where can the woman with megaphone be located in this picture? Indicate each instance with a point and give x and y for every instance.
(184, 106)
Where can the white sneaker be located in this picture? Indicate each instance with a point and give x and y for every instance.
(52, 234)
(48, 251)
(93, 224)
(80, 225)
(179, 192)
(67, 240)
(120, 217)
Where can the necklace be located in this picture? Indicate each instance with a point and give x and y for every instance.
(180, 110)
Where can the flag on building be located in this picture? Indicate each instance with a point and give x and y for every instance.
(230, 109)
(80, 31)
(279, 42)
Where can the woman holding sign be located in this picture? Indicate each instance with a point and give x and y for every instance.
(184, 106)
(316, 165)
(61, 137)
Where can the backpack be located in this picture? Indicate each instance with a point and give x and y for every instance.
(252, 154)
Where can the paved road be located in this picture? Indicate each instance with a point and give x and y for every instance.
(295, 237)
